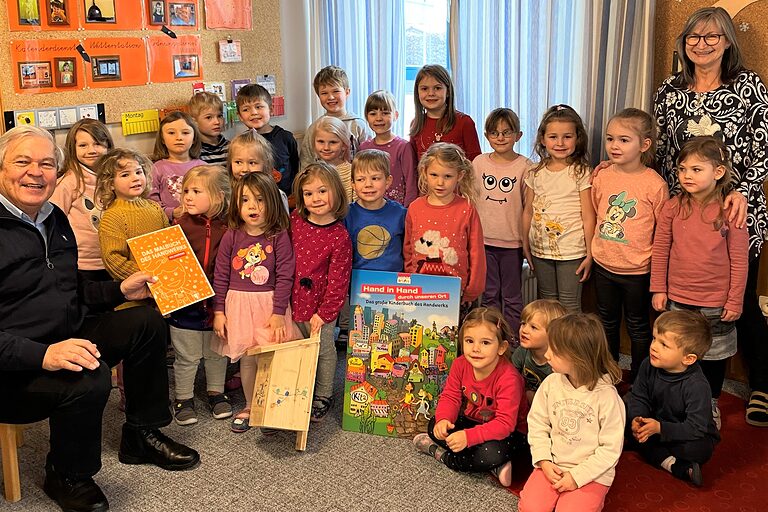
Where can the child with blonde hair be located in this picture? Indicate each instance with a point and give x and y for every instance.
(443, 234)
(87, 140)
(331, 143)
(177, 150)
(252, 280)
(207, 110)
(576, 422)
(250, 152)
(205, 196)
(700, 259)
(530, 357)
(480, 418)
(323, 268)
(122, 191)
(558, 218)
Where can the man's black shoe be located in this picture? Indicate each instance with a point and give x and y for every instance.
(150, 446)
(74, 495)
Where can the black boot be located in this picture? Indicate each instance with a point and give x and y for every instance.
(150, 446)
(74, 495)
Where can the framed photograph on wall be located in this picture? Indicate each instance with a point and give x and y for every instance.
(99, 11)
(65, 72)
(35, 75)
(105, 68)
(157, 12)
(29, 12)
(182, 14)
(56, 12)
(185, 66)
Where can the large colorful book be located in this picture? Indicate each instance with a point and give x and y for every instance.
(403, 331)
(166, 254)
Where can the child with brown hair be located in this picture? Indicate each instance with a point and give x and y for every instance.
(576, 422)
(670, 405)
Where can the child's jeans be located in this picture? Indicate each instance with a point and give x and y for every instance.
(558, 280)
(326, 359)
(654, 451)
(190, 347)
(539, 496)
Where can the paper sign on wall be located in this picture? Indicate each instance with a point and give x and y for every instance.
(142, 121)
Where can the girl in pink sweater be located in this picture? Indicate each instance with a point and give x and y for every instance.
(699, 258)
(443, 234)
(480, 418)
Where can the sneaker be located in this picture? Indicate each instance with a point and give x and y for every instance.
(269, 431)
(688, 471)
(757, 409)
(503, 473)
(320, 407)
(424, 443)
(220, 406)
(184, 412)
(716, 413)
(241, 423)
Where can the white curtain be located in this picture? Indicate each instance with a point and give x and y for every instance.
(367, 39)
(595, 55)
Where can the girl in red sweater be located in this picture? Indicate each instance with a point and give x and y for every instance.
(481, 416)
(443, 234)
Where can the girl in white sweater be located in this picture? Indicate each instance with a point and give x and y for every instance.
(576, 422)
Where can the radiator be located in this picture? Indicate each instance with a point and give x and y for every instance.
(529, 284)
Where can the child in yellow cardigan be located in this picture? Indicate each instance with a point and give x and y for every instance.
(122, 186)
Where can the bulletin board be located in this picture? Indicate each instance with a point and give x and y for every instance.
(261, 54)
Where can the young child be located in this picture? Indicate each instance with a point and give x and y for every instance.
(177, 150)
(558, 217)
(122, 190)
(381, 113)
(330, 138)
(437, 119)
(670, 405)
(499, 175)
(250, 152)
(87, 140)
(480, 417)
(443, 234)
(530, 357)
(207, 110)
(252, 280)
(205, 195)
(699, 259)
(331, 85)
(254, 107)
(576, 422)
(628, 196)
(376, 224)
(323, 266)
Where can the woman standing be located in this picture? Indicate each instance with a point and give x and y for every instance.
(715, 94)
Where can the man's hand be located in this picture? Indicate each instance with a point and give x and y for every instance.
(134, 287)
(73, 354)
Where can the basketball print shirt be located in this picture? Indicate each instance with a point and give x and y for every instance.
(377, 236)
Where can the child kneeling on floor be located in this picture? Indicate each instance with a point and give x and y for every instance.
(669, 408)
(480, 418)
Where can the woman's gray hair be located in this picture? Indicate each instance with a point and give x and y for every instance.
(20, 132)
(732, 63)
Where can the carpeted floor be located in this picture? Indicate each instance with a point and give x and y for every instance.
(339, 471)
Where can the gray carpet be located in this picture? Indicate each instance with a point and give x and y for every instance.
(339, 471)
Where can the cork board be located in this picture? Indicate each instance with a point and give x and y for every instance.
(261, 55)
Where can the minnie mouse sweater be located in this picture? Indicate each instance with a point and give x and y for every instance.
(446, 240)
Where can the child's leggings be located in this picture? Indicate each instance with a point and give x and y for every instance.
(481, 457)
(538, 495)
(326, 359)
(556, 279)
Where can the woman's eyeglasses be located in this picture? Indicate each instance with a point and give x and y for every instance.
(709, 39)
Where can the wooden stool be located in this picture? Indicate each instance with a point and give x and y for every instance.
(10, 438)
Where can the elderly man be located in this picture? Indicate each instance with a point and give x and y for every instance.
(59, 336)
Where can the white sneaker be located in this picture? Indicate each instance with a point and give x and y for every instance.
(716, 413)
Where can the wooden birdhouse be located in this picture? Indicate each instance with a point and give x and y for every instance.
(285, 384)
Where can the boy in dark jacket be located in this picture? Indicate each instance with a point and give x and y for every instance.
(670, 405)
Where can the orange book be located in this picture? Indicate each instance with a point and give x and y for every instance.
(166, 254)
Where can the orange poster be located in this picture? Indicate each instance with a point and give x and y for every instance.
(116, 62)
(167, 255)
(34, 15)
(228, 14)
(110, 14)
(46, 65)
(172, 60)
